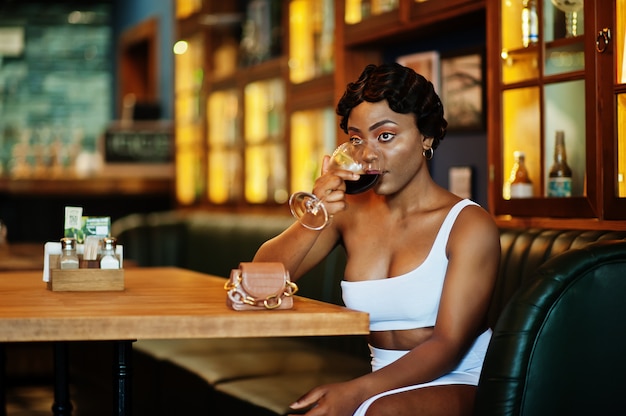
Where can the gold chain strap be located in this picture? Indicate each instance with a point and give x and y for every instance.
(270, 302)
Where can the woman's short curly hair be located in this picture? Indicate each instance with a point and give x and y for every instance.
(405, 91)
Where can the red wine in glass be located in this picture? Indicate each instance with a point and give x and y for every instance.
(310, 210)
(365, 182)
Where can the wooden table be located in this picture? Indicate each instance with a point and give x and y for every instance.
(157, 303)
(21, 256)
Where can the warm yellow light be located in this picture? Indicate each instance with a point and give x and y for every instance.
(620, 43)
(353, 11)
(257, 174)
(313, 134)
(301, 64)
(186, 167)
(621, 144)
(521, 132)
(180, 47)
(224, 165)
(620, 40)
(264, 109)
(185, 8)
(256, 105)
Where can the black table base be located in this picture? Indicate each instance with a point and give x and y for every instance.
(122, 377)
(62, 405)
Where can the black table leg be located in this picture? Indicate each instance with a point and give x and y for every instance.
(3, 381)
(62, 405)
(123, 377)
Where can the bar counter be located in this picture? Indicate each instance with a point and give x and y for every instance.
(33, 207)
(121, 181)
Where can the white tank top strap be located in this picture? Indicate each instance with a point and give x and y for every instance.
(444, 232)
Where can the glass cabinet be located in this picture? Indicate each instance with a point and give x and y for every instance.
(620, 93)
(189, 149)
(313, 135)
(265, 154)
(541, 108)
(311, 39)
(257, 82)
(259, 104)
(225, 165)
(610, 43)
(559, 96)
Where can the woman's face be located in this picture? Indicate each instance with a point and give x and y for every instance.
(396, 136)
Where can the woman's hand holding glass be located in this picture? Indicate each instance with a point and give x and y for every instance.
(354, 167)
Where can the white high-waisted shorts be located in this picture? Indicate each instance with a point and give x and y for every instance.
(467, 372)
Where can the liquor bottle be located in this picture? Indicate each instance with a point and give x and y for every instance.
(530, 23)
(366, 9)
(521, 185)
(560, 176)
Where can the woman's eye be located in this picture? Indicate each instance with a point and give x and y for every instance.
(356, 140)
(385, 137)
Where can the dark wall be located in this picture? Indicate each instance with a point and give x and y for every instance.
(39, 218)
(459, 148)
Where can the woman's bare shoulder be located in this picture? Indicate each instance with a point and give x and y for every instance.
(475, 225)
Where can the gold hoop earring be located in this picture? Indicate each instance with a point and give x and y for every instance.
(428, 153)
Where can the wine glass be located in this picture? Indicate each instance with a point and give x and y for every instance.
(571, 9)
(354, 156)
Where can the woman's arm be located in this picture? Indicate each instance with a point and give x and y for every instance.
(299, 248)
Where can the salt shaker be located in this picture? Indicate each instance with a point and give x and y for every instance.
(109, 259)
(69, 258)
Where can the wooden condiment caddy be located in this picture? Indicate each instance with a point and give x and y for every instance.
(83, 279)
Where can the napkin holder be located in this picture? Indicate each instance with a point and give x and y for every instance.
(82, 279)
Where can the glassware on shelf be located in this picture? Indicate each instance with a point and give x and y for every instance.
(621, 145)
(530, 23)
(571, 9)
(265, 165)
(359, 10)
(190, 181)
(225, 164)
(311, 39)
(260, 39)
(353, 156)
(316, 133)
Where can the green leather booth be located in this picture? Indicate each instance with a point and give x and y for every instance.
(559, 346)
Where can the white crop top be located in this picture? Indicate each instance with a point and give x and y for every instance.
(410, 300)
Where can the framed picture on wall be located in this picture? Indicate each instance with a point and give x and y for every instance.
(460, 181)
(425, 64)
(462, 91)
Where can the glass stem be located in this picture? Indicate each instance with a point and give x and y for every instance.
(571, 24)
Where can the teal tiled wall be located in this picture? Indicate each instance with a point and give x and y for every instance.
(55, 94)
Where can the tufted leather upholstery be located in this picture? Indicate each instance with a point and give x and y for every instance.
(524, 250)
(558, 347)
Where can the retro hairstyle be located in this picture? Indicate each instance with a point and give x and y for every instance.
(405, 91)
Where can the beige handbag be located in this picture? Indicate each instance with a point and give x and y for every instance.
(257, 286)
